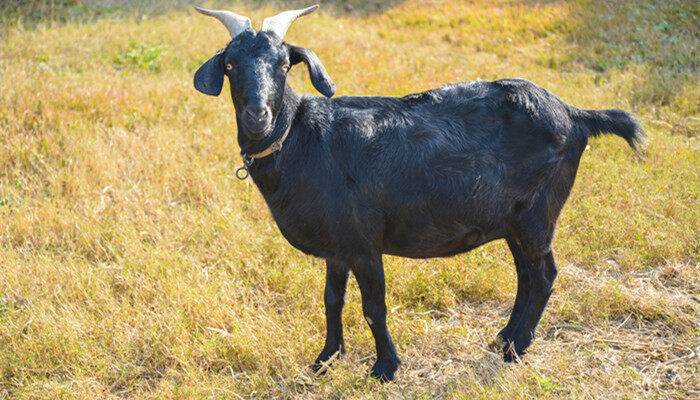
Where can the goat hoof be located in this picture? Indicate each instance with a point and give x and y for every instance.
(324, 360)
(318, 368)
(511, 355)
(384, 371)
(512, 351)
(509, 348)
(498, 344)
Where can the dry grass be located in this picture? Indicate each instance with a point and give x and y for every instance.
(135, 265)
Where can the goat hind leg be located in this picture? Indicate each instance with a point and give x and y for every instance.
(522, 266)
(542, 274)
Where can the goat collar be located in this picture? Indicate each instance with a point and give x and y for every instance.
(275, 146)
(242, 172)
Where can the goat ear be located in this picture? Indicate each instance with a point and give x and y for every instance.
(209, 78)
(319, 77)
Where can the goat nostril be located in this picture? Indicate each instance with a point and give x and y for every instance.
(257, 113)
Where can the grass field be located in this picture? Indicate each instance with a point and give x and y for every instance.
(135, 265)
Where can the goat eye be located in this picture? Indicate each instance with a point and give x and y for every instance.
(229, 67)
(285, 68)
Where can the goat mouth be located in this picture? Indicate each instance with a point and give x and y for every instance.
(258, 132)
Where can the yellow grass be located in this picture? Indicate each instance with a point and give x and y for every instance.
(135, 265)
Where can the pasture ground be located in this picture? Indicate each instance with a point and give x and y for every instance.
(135, 265)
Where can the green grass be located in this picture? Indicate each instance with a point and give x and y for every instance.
(135, 265)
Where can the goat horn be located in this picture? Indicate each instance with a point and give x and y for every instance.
(234, 23)
(282, 21)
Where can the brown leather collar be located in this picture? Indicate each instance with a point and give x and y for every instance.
(242, 172)
(275, 146)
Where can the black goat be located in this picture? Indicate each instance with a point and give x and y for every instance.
(432, 174)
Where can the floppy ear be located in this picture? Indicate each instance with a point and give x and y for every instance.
(319, 77)
(209, 78)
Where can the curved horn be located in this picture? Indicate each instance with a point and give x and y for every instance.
(281, 22)
(234, 23)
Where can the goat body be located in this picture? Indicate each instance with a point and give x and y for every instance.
(431, 174)
(426, 175)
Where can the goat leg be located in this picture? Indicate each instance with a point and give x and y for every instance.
(522, 297)
(334, 299)
(543, 271)
(370, 278)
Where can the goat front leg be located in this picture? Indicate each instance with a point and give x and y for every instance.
(334, 299)
(370, 279)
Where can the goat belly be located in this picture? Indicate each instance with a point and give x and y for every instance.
(427, 242)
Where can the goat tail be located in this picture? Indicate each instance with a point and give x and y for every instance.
(618, 122)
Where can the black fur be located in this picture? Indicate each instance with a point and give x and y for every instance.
(433, 174)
